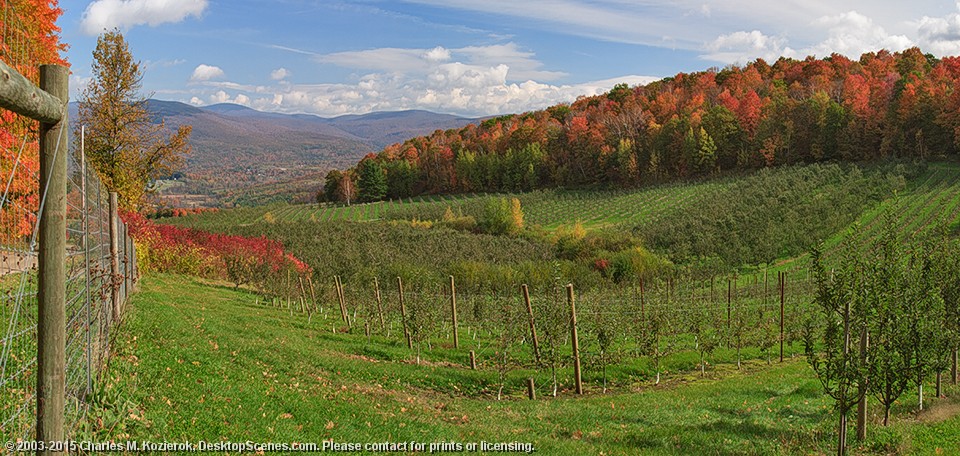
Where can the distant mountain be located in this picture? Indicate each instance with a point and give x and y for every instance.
(379, 129)
(385, 128)
(235, 146)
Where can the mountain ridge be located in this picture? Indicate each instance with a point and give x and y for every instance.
(235, 146)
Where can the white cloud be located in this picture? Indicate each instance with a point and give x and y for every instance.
(742, 47)
(522, 64)
(221, 96)
(940, 35)
(471, 81)
(205, 72)
(78, 84)
(103, 15)
(279, 74)
(437, 54)
(165, 63)
(740, 30)
(453, 88)
(851, 34)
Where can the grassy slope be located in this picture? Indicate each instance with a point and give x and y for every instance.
(548, 208)
(205, 362)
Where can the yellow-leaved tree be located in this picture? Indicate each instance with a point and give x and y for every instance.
(126, 147)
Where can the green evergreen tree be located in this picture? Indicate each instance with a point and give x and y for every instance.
(372, 181)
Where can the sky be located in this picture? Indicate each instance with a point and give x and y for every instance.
(471, 57)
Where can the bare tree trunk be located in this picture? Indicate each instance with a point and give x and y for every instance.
(862, 403)
(842, 435)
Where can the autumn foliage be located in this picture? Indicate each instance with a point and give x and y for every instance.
(31, 38)
(259, 262)
(759, 115)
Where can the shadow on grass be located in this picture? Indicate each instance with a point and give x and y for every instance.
(719, 437)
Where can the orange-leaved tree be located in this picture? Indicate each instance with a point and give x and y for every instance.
(123, 144)
(31, 38)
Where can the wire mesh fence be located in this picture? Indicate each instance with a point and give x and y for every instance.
(91, 276)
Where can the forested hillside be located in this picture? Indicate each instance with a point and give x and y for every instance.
(882, 105)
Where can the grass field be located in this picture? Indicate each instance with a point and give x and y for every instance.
(547, 208)
(198, 361)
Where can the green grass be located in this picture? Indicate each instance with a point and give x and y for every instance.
(547, 208)
(197, 361)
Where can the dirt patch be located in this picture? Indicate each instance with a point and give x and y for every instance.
(940, 412)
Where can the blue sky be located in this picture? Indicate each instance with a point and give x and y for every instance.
(472, 57)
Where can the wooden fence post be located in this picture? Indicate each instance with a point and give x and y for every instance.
(453, 310)
(51, 260)
(343, 302)
(376, 287)
(643, 315)
(473, 360)
(783, 286)
(533, 329)
(862, 404)
(728, 302)
(531, 392)
(313, 294)
(303, 295)
(578, 380)
(114, 257)
(403, 314)
(128, 269)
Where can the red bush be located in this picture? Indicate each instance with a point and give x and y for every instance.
(242, 260)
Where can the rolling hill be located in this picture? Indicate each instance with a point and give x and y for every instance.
(236, 147)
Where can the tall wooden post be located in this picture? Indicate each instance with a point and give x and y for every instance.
(643, 316)
(728, 303)
(114, 257)
(573, 340)
(51, 261)
(533, 327)
(343, 302)
(313, 294)
(128, 265)
(403, 314)
(453, 311)
(862, 404)
(303, 295)
(531, 391)
(764, 287)
(783, 286)
(376, 288)
(473, 360)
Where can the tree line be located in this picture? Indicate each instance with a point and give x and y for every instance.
(738, 118)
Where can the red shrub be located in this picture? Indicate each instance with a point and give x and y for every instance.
(242, 260)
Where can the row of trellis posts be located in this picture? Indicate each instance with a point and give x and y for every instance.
(451, 292)
(63, 233)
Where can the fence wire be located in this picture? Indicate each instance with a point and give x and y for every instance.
(89, 279)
